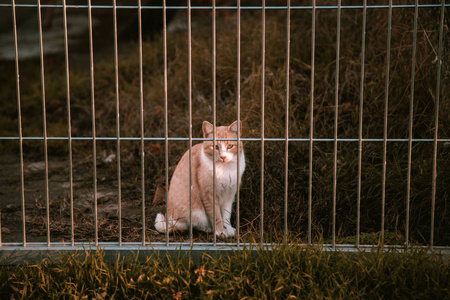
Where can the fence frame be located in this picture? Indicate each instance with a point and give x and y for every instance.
(20, 251)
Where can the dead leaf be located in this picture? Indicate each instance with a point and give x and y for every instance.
(160, 195)
(154, 148)
(178, 296)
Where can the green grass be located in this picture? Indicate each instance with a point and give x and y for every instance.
(282, 272)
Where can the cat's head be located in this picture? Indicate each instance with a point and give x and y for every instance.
(226, 151)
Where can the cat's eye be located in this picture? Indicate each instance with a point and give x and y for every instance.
(230, 146)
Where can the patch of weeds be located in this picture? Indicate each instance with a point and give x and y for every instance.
(282, 271)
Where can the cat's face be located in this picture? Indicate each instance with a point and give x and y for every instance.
(226, 151)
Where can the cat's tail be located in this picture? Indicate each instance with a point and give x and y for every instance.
(177, 225)
(160, 223)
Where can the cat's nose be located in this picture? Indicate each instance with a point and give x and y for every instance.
(223, 157)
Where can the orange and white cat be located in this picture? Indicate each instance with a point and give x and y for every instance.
(202, 184)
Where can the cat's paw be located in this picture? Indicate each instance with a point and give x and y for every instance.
(230, 230)
(224, 234)
(227, 232)
(207, 229)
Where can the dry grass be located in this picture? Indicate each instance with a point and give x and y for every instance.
(275, 103)
(282, 272)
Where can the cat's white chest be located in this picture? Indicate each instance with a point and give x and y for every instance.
(226, 177)
(226, 174)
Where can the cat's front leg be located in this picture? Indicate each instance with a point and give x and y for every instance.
(223, 227)
(226, 206)
(210, 210)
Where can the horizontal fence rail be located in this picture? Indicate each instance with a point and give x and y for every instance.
(256, 7)
(87, 138)
(288, 172)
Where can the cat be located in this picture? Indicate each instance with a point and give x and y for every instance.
(202, 184)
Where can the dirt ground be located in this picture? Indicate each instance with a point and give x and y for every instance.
(83, 204)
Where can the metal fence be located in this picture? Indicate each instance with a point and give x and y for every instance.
(32, 248)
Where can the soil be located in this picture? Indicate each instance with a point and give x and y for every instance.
(59, 204)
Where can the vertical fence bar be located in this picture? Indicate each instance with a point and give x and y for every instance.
(263, 77)
(361, 106)
(436, 124)
(286, 167)
(44, 119)
(336, 114)
(385, 130)
(69, 123)
(1, 241)
(311, 118)
(141, 98)
(214, 91)
(94, 138)
(190, 116)
(116, 85)
(411, 118)
(166, 121)
(19, 121)
(238, 86)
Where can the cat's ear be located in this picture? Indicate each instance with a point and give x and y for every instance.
(234, 127)
(207, 129)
